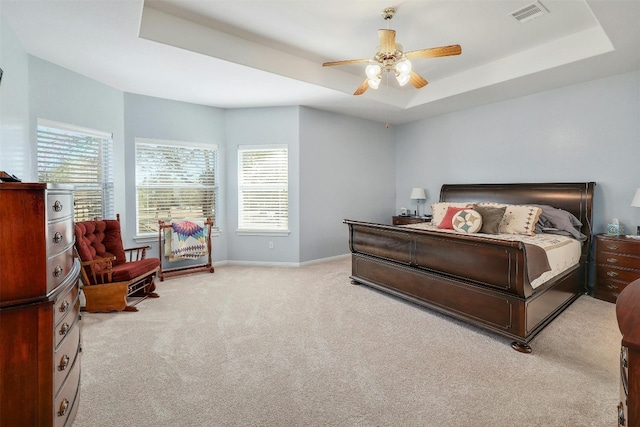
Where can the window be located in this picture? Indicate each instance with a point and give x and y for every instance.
(174, 180)
(263, 194)
(82, 157)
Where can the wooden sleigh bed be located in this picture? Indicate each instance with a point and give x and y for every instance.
(473, 277)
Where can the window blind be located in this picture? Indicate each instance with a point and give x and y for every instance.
(174, 181)
(263, 195)
(82, 157)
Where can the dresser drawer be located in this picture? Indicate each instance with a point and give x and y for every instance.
(618, 246)
(607, 273)
(65, 357)
(65, 303)
(66, 400)
(618, 260)
(60, 235)
(59, 205)
(58, 267)
(66, 326)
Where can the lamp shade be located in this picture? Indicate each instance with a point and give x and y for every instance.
(636, 199)
(418, 193)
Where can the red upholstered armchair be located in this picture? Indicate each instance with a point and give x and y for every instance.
(110, 273)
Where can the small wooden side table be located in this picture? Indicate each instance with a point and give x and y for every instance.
(404, 220)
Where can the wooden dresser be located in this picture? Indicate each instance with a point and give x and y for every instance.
(39, 306)
(628, 314)
(617, 264)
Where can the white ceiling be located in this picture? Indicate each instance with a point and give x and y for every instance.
(254, 53)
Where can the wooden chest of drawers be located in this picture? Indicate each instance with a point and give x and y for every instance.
(628, 315)
(617, 264)
(39, 307)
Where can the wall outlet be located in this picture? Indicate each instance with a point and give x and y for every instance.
(270, 245)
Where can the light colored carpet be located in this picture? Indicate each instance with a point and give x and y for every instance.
(270, 346)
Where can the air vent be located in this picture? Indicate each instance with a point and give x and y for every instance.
(527, 13)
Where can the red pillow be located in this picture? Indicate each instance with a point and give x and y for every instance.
(446, 222)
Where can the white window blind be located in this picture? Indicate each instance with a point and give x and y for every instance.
(82, 157)
(263, 188)
(174, 180)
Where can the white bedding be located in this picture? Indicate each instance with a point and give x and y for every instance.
(562, 252)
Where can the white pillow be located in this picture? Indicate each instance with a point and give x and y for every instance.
(439, 210)
(520, 219)
(467, 221)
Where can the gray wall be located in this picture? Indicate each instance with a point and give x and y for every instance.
(58, 94)
(15, 151)
(586, 132)
(346, 171)
(156, 118)
(261, 126)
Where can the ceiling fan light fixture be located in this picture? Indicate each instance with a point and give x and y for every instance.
(403, 79)
(374, 83)
(403, 66)
(372, 70)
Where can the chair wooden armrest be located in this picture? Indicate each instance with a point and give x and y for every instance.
(101, 276)
(136, 253)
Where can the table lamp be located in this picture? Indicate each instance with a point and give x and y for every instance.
(418, 194)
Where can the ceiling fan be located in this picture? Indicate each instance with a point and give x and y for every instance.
(391, 58)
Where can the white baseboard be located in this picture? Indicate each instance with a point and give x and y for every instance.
(279, 264)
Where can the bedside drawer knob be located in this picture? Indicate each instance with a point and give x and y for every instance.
(58, 271)
(57, 206)
(65, 306)
(64, 405)
(612, 286)
(57, 238)
(64, 362)
(64, 329)
(612, 260)
(612, 273)
(612, 247)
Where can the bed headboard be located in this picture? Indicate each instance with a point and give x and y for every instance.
(574, 197)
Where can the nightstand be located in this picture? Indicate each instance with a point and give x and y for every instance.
(617, 264)
(404, 220)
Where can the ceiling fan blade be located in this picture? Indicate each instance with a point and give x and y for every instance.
(417, 80)
(434, 52)
(348, 61)
(362, 88)
(387, 40)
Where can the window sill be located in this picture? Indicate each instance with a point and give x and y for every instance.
(249, 232)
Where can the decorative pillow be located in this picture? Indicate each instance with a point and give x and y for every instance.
(446, 222)
(467, 221)
(520, 219)
(557, 221)
(439, 210)
(491, 218)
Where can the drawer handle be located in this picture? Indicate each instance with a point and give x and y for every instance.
(57, 238)
(64, 329)
(612, 286)
(57, 206)
(64, 405)
(612, 273)
(612, 247)
(65, 306)
(612, 260)
(58, 271)
(64, 362)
